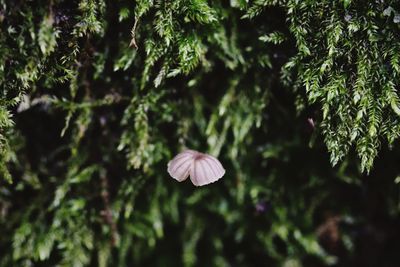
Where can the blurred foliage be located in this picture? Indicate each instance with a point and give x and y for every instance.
(97, 96)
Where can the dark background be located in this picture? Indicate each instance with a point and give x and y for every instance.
(98, 193)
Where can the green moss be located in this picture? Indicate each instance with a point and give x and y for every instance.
(97, 96)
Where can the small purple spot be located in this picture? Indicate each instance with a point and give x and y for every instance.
(262, 206)
(103, 121)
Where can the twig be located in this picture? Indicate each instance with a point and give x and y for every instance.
(107, 212)
(133, 34)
